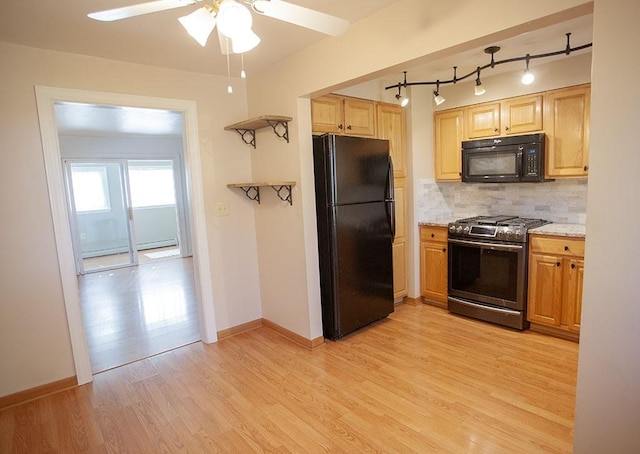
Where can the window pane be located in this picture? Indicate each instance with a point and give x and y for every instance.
(90, 188)
(151, 184)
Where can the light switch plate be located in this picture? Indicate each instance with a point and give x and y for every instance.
(222, 208)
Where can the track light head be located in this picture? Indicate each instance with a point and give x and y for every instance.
(479, 89)
(527, 77)
(438, 99)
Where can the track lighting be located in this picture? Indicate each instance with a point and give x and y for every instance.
(403, 100)
(527, 77)
(436, 95)
(479, 89)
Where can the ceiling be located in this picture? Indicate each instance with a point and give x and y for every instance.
(158, 39)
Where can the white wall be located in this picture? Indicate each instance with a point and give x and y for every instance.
(608, 395)
(34, 336)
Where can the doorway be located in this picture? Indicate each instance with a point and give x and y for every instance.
(123, 199)
(46, 98)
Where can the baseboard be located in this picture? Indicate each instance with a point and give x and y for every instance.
(430, 302)
(37, 392)
(310, 344)
(412, 301)
(555, 332)
(224, 333)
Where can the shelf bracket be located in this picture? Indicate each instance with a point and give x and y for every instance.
(287, 195)
(252, 192)
(248, 133)
(283, 132)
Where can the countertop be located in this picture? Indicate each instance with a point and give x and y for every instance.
(573, 230)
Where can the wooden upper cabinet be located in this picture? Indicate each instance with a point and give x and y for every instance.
(483, 120)
(521, 115)
(448, 135)
(511, 116)
(359, 117)
(326, 114)
(391, 126)
(566, 123)
(342, 115)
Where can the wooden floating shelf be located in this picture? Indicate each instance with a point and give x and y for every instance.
(252, 190)
(247, 128)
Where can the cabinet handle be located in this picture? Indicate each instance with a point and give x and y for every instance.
(557, 263)
(340, 126)
(495, 130)
(566, 248)
(349, 127)
(573, 266)
(433, 235)
(586, 168)
(444, 249)
(506, 128)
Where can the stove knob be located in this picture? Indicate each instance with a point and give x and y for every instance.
(459, 230)
(509, 234)
(452, 229)
(466, 230)
(518, 235)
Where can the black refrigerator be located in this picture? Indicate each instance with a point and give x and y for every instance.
(356, 225)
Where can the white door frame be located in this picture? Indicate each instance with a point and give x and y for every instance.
(45, 99)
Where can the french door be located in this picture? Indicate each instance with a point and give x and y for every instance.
(100, 214)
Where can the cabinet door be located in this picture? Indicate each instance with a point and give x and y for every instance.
(448, 133)
(521, 115)
(566, 124)
(545, 289)
(572, 310)
(401, 206)
(391, 126)
(326, 115)
(433, 270)
(483, 120)
(399, 250)
(359, 117)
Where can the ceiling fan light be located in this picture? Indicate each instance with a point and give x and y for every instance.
(234, 19)
(244, 42)
(199, 24)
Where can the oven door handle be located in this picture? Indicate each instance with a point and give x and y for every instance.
(492, 246)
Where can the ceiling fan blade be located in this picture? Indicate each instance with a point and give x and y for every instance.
(304, 17)
(139, 9)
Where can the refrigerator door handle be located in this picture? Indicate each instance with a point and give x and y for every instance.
(390, 201)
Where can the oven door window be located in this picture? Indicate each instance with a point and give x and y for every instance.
(485, 274)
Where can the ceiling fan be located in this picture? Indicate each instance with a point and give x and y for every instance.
(233, 19)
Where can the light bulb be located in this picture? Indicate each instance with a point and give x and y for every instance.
(229, 89)
(243, 74)
(528, 77)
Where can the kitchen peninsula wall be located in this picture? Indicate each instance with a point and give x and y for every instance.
(562, 201)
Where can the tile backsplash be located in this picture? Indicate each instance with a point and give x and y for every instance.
(563, 201)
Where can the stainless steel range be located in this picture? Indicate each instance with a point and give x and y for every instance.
(488, 268)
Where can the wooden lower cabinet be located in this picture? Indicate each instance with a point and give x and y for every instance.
(556, 272)
(433, 264)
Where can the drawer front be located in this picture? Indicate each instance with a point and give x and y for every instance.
(557, 245)
(429, 233)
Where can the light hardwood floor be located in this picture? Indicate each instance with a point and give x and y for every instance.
(135, 312)
(420, 381)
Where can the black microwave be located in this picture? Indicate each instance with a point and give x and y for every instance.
(510, 159)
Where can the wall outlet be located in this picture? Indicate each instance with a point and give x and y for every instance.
(222, 208)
